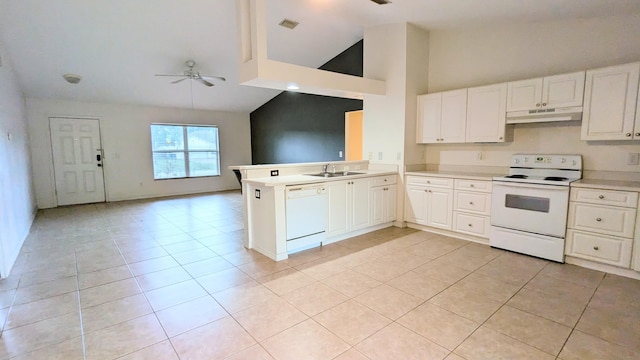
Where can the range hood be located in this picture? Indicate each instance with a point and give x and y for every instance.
(545, 115)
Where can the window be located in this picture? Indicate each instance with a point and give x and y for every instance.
(181, 151)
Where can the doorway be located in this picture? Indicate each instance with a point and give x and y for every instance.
(353, 127)
(77, 160)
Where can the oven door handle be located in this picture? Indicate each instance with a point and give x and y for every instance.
(529, 185)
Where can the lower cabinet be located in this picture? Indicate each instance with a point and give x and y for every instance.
(471, 207)
(348, 206)
(383, 199)
(429, 201)
(601, 226)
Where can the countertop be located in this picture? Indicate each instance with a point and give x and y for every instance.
(309, 179)
(455, 174)
(607, 184)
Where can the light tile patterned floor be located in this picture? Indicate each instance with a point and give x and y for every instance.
(169, 279)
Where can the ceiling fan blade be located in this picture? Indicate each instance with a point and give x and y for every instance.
(171, 75)
(179, 80)
(205, 82)
(214, 77)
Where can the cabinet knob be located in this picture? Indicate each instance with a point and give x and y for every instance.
(428, 181)
(500, 137)
(598, 219)
(601, 197)
(596, 248)
(544, 104)
(471, 185)
(538, 105)
(470, 202)
(385, 180)
(426, 191)
(627, 134)
(470, 225)
(638, 134)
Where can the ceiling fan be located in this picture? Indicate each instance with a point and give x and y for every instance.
(191, 74)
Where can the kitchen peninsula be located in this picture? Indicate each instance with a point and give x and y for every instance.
(292, 207)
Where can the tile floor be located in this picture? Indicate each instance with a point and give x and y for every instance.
(170, 279)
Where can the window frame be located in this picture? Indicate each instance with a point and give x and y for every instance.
(185, 151)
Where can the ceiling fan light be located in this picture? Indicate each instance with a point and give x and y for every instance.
(72, 78)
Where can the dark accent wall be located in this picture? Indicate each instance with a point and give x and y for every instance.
(295, 127)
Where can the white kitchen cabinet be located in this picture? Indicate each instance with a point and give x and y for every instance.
(610, 103)
(429, 201)
(601, 225)
(486, 113)
(442, 117)
(348, 206)
(472, 206)
(546, 93)
(383, 199)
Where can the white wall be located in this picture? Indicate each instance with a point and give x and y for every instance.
(17, 202)
(126, 140)
(482, 56)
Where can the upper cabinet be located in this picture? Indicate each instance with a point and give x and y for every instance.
(550, 92)
(486, 113)
(610, 103)
(442, 117)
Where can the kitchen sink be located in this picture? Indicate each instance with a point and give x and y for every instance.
(336, 174)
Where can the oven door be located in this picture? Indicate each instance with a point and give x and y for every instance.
(540, 209)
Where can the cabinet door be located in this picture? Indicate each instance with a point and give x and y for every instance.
(429, 113)
(390, 203)
(524, 95)
(359, 203)
(415, 204)
(378, 194)
(486, 113)
(563, 90)
(454, 116)
(610, 103)
(439, 208)
(338, 212)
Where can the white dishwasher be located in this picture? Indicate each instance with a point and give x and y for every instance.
(306, 211)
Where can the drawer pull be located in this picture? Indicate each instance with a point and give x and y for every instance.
(596, 248)
(598, 219)
(601, 197)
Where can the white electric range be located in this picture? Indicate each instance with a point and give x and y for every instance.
(529, 206)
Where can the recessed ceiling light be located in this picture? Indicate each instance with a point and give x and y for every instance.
(289, 24)
(293, 86)
(72, 78)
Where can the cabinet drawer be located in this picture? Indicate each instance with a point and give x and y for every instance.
(479, 203)
(430, 181)
(616, 221)
(471, 224)
(605, 197)
(602, 248)
(473, 185)
(384, 180)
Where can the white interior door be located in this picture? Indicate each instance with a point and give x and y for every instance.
(77, 160)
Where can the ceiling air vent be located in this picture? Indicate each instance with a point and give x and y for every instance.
(381, 2)
(289, 24)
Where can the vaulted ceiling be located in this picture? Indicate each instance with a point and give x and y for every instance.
(118, 46)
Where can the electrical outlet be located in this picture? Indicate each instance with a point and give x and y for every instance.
(633, 158)
(379, 155)
(275, 173)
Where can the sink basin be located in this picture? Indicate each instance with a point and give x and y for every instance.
(337, 174)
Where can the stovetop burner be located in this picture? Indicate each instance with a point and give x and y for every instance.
(556, 178)
(516, 176)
